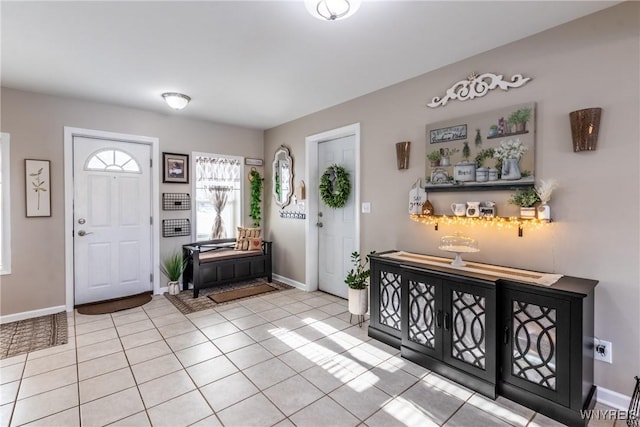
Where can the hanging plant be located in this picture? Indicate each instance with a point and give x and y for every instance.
(335, 186)
(255, 212)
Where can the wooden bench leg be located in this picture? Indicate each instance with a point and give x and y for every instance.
(196, 291)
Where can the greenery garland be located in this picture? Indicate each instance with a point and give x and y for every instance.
(256, 187)
(335, 186)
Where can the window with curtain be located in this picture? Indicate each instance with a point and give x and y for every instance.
(218, 196)
(5, 206)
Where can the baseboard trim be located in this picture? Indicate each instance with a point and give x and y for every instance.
(31, 314)
(290, 282)
(613, 398)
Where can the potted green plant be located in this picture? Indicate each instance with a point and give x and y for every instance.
(526, 199)
(519, 119)
(434, 157)
(173, 266)
(493, 130)
(357, 281)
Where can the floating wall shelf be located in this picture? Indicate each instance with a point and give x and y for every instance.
(498, 222)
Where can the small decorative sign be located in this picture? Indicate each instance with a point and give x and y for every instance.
(253, 162)
(451, 133)
(476, 86)
(38, 187)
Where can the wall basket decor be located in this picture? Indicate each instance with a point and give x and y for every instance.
(585, 125)
(402, 154)
(176, 201)
(176, 227)
(476, 86)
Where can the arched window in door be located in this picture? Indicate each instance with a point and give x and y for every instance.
(111, 160)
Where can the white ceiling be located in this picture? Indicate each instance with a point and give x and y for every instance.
(256, 64)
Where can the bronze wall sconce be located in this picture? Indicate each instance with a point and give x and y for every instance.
(585, 125)
(402, 154)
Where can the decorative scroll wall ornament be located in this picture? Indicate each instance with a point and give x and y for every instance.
(477, 86)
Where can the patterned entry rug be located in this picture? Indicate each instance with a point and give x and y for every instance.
(33, 334)
(186, 303)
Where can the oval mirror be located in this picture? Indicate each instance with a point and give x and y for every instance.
(282, 176)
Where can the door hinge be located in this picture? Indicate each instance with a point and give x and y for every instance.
(150, 163)
(151, 220)
(151, 277)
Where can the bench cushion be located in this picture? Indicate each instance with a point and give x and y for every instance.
(227, 254)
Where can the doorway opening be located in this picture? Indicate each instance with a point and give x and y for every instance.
(349, 133)
(151, 185)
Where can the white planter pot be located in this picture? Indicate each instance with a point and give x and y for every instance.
(544, 212)
(527, 212)
(358, 301)
(174, 288)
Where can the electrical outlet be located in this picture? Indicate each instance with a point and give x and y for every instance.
(366, 207)
(603, 351)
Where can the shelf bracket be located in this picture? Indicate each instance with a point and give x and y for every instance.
(520, 230)
(435, 226)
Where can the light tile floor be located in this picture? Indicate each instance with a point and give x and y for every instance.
(290, 358)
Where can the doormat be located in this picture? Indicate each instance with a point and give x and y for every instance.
(113, 305)
(241, 293)
(33, 334)
(186, 303)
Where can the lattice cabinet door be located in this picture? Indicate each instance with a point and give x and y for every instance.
(470, 328)
(422, 323)
(386, 299)
(536, 344)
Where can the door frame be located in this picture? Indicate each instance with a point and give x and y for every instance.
(313, 181)
(154, 143)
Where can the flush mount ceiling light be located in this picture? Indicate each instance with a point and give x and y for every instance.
(332, 10)
(175, 100)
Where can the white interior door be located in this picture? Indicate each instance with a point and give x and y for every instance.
(336, 237)
(112, 219)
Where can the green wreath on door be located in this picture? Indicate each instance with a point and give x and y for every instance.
(335, 186)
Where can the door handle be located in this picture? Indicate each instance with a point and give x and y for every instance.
(83, 233)
(505, 336)
(439, 319)
(447, 321)
(319, 224)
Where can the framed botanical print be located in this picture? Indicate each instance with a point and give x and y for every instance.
(175, 168)
(38, 187)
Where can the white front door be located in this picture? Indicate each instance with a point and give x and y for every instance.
(336, 237)
(111, 218)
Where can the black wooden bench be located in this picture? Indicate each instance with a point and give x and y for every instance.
(215, 262)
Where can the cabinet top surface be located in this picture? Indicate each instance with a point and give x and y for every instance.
(486, 272)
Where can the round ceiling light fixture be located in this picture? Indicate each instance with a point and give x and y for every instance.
(332, 10)
(176, 100)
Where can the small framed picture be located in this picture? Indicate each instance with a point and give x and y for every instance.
(175, 168)
(38, 187)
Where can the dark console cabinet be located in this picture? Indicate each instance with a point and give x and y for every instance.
(530, 343)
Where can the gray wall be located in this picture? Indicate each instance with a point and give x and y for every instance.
(36, 123)
(591, 62)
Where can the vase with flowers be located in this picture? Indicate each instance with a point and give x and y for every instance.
(544, 190)
(509, 153)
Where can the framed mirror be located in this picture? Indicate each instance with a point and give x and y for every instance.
(282, 176)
